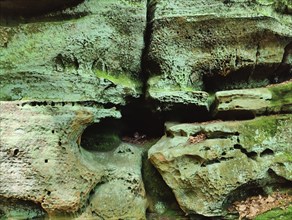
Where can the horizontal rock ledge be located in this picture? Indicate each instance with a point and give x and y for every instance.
(251, 102)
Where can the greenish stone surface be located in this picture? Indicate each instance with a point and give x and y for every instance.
(121, 194)
(42, 143)
(59, 59)
(273, 99)
(206, 173)
(194, 41)
(69, 69)
(171, 96)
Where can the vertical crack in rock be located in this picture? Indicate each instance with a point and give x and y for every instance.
(145, 62)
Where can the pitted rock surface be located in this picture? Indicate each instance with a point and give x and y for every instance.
(206, 163)
(42, 160)
(199, 44)
(93, 53)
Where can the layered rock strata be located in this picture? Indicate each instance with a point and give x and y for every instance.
(216, 44)
(93, 54)
(68, 69)
(251, 102)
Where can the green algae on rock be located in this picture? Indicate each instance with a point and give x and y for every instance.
(205, 173)
(279, 213)
(173, 96)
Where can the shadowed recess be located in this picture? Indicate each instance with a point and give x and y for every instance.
(34, 7)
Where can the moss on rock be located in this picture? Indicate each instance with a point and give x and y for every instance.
(275, 214)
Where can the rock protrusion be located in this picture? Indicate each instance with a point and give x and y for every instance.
(244, 103)
(205, 163)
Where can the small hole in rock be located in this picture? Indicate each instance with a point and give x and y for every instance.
(266, 152)
(207, 148)
(46, 160)
(49, 193)
(15, 152)
(53, 131)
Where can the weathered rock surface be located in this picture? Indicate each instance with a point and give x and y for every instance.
(42, 162)
(195, 43)
(168, 98)
(62, 154)
(209, 165)
(89, 52)
(123, 195)
(251, 102)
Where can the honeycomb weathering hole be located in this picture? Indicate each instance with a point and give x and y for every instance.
(101, 137)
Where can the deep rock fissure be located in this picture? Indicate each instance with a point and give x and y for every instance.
(146, 65)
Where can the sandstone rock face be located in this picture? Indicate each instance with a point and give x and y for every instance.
(42, 162)
(273, 99)
(206, 164)
(87, 85)
(195, 43)
(93, 54)
(122, 195)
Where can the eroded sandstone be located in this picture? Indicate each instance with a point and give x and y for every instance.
(206, 163)
(251, 102)
(42, 161)
(93, 54)
(216, 45)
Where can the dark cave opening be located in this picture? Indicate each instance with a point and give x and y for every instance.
(248, 77)
(186, 114)
(139, 117)
(138, 124)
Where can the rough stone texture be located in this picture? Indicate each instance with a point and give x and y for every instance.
(88, 52)
(42, 162)
(123, 195)
(174, 97)
(209, 165)
(82, 58)
(194, 42)
(273, 99)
